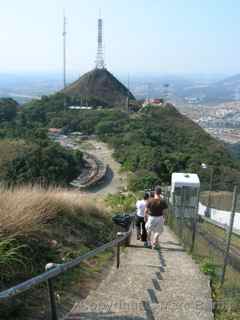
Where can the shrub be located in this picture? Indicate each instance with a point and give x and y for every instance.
(143, 180)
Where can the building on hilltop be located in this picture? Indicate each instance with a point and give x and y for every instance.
(153, 102)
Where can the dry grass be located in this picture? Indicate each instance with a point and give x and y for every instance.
(39, 226)
(27, 210)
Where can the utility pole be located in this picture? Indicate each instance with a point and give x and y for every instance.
(229, 235)
(64, 50)
(166, 92)
(204, 166)
(209, 204)
(148, 92)
(128, 84)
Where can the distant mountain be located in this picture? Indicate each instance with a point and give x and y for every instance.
(101, 85)
(25, 87)
(221, 91)
(231, 82)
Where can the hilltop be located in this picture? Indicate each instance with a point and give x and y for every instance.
(101, 85)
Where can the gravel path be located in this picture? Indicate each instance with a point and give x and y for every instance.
(150, 285)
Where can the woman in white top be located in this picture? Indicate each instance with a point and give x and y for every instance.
(140, 223)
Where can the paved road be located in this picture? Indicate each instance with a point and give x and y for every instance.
(150, 285)
(114, 181)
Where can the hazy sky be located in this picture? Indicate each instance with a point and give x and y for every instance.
(162, 36)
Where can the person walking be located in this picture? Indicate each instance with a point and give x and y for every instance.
(140, 223)
(154, 218)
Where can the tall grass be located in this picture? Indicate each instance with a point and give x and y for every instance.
(10, 256)
(37, 225)
(27, 210)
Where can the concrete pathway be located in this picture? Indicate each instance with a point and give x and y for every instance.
(150, 285)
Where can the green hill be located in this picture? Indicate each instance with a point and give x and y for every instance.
(150, 144)
(160, 141)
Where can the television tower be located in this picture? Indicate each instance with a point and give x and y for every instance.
(64, 50)
(100, 52)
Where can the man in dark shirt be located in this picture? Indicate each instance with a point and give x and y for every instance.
(154, 217)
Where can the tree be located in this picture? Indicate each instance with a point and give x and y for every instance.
(8, 109)
(22, 163)
(143, 180)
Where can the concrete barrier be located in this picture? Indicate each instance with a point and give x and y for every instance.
(221, 216)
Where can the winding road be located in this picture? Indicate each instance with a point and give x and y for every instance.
(114, 180)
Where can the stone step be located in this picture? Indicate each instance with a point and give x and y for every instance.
(174, 312)
(153, 277)
(104, 306)
(150, 285)
(159, 291)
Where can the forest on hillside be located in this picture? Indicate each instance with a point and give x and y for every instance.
(150, 144)
(28, 156)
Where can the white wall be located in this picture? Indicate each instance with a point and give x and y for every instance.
(221, 216)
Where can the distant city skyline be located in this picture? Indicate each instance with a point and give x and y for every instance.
(140, 36)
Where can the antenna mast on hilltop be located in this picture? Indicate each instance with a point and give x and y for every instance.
(100, 52)
(64, 50)
(148, 92)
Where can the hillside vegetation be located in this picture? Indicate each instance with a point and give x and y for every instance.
(8, 109)
(38, 227)
(24, 162)
(162, 141)
(27, 155)
(151, 144)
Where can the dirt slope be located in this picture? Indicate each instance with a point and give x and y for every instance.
(101, 85)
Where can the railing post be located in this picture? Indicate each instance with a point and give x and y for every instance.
(181, 216)
(194, 223)
(118, 255)
(229, 234)
(119, 234)
(52, 301)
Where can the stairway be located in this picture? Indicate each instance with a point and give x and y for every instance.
(162, 284)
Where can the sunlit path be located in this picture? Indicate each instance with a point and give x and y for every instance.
(151, 284)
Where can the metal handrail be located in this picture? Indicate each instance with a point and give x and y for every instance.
(54, 270)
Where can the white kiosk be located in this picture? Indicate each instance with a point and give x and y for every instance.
(184, 194)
